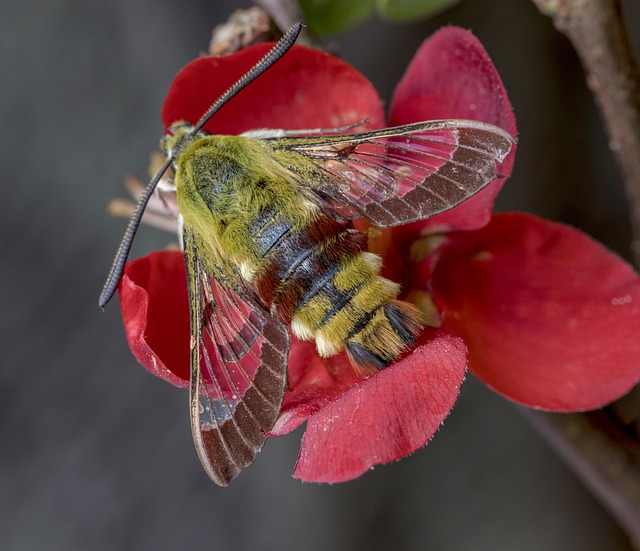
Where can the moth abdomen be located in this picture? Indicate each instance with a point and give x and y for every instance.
(321, 280)
(365, 317)
(391, 329)
(299, 262)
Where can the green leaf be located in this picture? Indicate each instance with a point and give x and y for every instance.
(332, 16)
(403, 11)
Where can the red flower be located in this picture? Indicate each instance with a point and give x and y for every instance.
(550, 318)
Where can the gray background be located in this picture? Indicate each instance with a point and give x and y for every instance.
(96, 454)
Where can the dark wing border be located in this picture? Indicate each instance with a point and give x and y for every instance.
(231, 411)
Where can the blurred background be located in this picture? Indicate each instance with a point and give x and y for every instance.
(95, 453)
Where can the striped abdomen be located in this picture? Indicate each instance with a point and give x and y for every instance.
(321, 280)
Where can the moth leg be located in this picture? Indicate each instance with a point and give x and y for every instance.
(166, 187)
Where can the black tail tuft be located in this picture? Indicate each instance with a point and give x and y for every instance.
(404, 319)
(364, 358)
(386, 333)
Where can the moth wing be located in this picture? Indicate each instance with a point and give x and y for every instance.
(238, 372)
(402, 174)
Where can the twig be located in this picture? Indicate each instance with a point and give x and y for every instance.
(285, 13)
(597, 32)
(594, 444)
(602, 455)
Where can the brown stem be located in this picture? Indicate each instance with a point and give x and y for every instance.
(284, 14)
(604, 456)
(598, 34)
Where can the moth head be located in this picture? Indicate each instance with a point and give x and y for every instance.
(178, 138)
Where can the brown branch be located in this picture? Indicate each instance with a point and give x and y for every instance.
(605, 457)
(284, 14)
(598, 34)
(594, 444)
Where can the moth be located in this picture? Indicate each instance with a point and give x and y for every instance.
(270, 247)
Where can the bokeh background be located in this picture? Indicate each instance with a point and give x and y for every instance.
(96, 454)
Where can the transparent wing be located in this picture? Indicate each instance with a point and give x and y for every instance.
(402, 174)
(238, 372)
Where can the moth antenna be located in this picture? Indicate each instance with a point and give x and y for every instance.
(281, 48)
(120, 260)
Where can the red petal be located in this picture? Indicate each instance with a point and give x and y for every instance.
(155, 311)
(452, 77)
(314, 382)
(386, 416)
(305, 89)
(551, 318)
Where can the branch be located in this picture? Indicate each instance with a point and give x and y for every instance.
(603, 455)
(594, 444)
(284, 14)
(597, 32)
